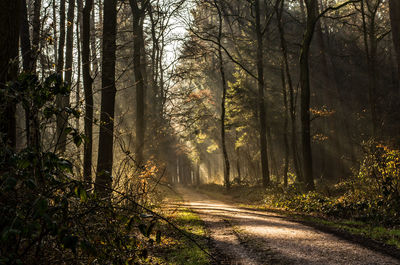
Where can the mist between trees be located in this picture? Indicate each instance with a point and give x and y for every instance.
(211, 91)
(239, 92)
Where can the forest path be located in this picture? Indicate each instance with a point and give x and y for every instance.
(242, 236)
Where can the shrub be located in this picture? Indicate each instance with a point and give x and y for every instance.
(373, 195)
(48, 216)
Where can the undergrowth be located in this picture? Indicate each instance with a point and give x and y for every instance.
(367, 204)
(48, 214)
(178, 246)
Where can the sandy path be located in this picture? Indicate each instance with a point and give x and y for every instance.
(242, 236)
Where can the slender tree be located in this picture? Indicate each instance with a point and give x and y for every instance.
(223, 99)
(139, 71)
(36, 32)
(87, 87)
(311, 19)
(9, 32)
(395, 22)
(105, 154)
(369, 11)
(25, 38)
(288, 80)
(65, 100)
(60, 123)
(261, 99)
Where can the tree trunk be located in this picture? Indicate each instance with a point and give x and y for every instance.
(9, 32)
(60, 64)
(105, 154)
(55, 32)
(94, 60)
(261, 101)
(61, 40)
(305, 94)
(223, 100)
(65, 100)
(36, 32)
(285, 129)
(27, 62)
(88, 92)
(26, 50)
(292, 110)
(394, 6)
(139, 69)
(371, 49)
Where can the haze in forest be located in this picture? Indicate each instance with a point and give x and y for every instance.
(126, 96)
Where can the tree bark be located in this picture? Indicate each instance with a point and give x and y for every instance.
(88, 92)
(61, 40)
(60, 65)
(105, 154)
(311, 6)
(261, 100)
(65, 100)
(27, 62)
(35, 32)
(292, 111)
(371, 49)
(394, 6)
(9, 32)
(285, 129)
(25, 39)
(139, 69)
(223, 102)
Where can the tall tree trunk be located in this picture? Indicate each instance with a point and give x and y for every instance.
(94, 60)
(9, 32)
(198, 173)
(26, 50)
(105, 154)
(292, 110)
(87, 87)
(65, 100)
(27, 62)
(285, 129)
(61, 40)
(371, 49)
(139, 68)
(394, 6)
(223, 101)
(239, 173)
(54, 25)
(60, 65)
(36, 32)
(261, 100)
(305, 94)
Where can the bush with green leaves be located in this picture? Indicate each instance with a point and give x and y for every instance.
(48, 216)
(372, 195)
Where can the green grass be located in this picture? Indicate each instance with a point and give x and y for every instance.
(389, 236)
(188, 252)
(175, 248)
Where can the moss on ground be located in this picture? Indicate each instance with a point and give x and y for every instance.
(175, 246)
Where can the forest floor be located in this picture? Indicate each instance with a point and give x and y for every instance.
(245, 236)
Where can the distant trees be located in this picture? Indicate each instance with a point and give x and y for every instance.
(240, 84)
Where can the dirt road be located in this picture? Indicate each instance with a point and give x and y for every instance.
(241, 236)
